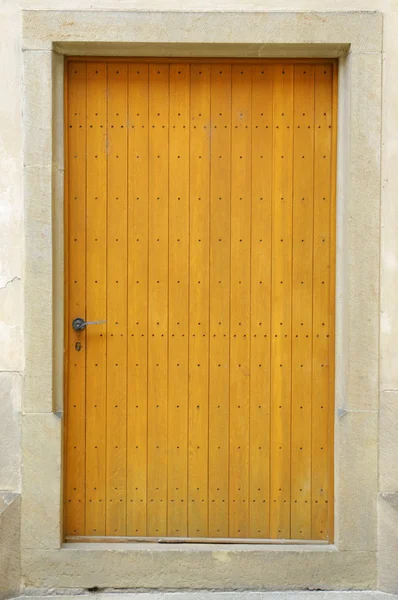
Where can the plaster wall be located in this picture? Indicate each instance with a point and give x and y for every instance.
(379, 416)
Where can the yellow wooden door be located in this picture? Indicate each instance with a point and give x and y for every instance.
(200, 225)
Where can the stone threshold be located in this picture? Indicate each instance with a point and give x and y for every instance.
(205, 595)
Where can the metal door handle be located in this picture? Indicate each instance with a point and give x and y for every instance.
(79, 324)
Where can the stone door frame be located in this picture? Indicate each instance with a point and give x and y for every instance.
(356, 39)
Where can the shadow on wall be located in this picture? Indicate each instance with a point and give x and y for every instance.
(10, 562)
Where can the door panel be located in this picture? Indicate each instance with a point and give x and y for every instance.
(200, 226)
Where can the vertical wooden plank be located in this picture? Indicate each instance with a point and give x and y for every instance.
(220, 199)
(177, 513)
(158, 298)
(199, 301)
(76, 285)
(281, 301)
(303, 169)
(262, 154)
(96, 228)
(241, 172)
(137, 424)
(116, 442)
(322, 317)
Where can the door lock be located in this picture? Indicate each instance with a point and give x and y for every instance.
(79, 324)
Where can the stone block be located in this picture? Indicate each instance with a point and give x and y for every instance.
(11, 337)
(361, 30)
(363, 218)
(356, 484)
(199, 567)
(389, 210)
(10, 563)
(37, 108)
(209, 50)
(388, 442)
(42, 481)
(38, 290)
(10, 431)
(387, 555)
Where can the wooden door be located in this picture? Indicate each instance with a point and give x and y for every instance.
(200, 225)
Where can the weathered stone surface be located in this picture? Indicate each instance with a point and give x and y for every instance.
(212, 50)
(37, 107)
(38, 182)
(38, 290)
(389, 209)
(212, 595)
(11, 194)
(199, 567)
(358, 232)
(387, 555)
(363, 217)
(10, 564)
(10, 431)
(11, 356)
(356, 486)
(361, 30)
(250, 595)
(343, 181)
(41, 483)
(388, 442)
